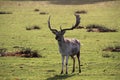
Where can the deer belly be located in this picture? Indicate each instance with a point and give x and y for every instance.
(69, 51)
(74, 51)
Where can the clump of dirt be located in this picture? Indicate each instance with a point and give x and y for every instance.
(27, 52)
(36, 10)
(4, 12)
(81, 12)
(43, 13)
(24, 52)
(79, 27)
(35, 27)
(2, 51)
(50, 70)
(112, 49)
(99, 28)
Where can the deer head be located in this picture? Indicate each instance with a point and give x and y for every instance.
(59, 34)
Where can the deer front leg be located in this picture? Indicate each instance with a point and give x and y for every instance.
(73, 64)
(78, 56)
(63, 57)
(67, 64)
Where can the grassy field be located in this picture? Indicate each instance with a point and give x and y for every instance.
(94, 65)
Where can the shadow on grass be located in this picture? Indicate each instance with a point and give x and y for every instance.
(69, 2)
(60, 77)
(76, 2)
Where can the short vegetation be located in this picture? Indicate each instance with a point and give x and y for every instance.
(29, 51)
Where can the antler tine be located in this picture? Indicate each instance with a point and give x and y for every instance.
(77, 21)
(60, 27)
(50, 25)
(76, 24)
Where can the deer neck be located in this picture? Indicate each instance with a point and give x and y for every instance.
(62, 42)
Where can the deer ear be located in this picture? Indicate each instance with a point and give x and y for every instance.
(62, 32)
(54, 32)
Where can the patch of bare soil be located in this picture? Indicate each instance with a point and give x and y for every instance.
(112, 49)
(2, 51)
(36, 10)
(24, 52)
(35, 27)
(40, 12)
(43, 13)
(80, 27)
(81, 12)
(99, 28)
(4, 12)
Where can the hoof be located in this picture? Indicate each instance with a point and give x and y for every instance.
(61, 72)
(66, 72)
(73, 71)
(79, 71)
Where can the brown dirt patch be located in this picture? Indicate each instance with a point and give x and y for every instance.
(81, 12)
(79, 27)
(112, 49)
(43, 13)
(99, 28)
(24, 52)
(36, 10)
(4, 12)
(35, 27)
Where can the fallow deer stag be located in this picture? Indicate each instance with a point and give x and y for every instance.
(67, 47)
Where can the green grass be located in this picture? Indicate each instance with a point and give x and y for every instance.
(95, 67)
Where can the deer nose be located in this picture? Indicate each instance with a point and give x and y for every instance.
(57, 38)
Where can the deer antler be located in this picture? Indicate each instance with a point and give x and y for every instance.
(53, 30)
(76, 24)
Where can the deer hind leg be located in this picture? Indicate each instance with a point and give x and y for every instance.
(73, 64)
(78, 56)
